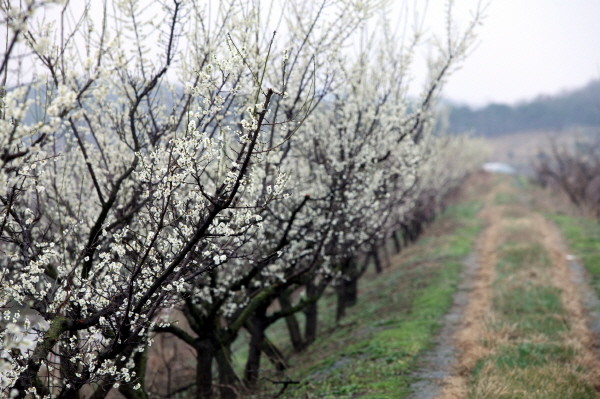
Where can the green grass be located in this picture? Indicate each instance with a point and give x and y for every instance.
(372, 352)
(532, 309)
(505, 198)
(516, 254)
(521, 182)
(583, 237)
(519, 298)
(528, 354)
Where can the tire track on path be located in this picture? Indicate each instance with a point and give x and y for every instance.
(575, 294)
(455, 348)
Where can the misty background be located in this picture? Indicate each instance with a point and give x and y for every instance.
(533, 79)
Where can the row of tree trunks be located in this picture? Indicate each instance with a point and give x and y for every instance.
(230, 385)
(347, 289)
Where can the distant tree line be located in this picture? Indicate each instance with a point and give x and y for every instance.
(574, 108)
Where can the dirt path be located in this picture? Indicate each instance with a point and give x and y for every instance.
(438, 363)
(491, 338)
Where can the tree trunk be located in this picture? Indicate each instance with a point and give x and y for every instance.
(291, 322)
(102, 391)
(386, 255)
(256, 326)
(229, 382)
(376, 259)
(40, 353)
(274, 354)
(351, 291)
(342, 300)
(204, 369)
(130, 393)
(347, 290)
(70, 392)
(311, 315)
(397, 243)
(409, 235)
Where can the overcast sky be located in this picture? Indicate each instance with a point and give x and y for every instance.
(527, 48)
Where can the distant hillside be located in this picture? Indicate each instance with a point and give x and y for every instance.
(579, 107)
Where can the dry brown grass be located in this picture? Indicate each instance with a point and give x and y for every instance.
(550, 381)
(468, 340)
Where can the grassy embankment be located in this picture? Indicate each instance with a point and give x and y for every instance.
(372, 352)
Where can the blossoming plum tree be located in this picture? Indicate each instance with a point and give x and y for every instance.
(228, 299)
(117, 186)
(185, 156)
(354, 191)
